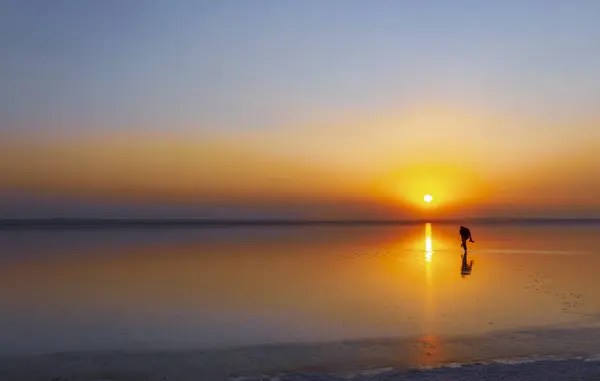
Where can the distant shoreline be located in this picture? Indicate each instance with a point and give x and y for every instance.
(69, 223)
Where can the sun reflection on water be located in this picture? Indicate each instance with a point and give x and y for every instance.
(429, 304)
(428, 243)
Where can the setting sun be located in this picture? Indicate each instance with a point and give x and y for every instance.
(428, 198)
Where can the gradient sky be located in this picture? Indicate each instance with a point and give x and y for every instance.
(299, 108)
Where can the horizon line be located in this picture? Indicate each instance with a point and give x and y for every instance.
(127, 222)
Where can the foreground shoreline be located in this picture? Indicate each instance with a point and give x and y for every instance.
(515, 369)
(523, 354)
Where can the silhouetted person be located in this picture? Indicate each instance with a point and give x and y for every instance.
(465, 234)
(466, 267)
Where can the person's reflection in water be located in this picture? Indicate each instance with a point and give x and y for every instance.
(466, 267)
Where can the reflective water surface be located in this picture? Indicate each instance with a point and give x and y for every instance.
(119, 289)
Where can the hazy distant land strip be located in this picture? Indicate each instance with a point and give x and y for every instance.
(70, 223)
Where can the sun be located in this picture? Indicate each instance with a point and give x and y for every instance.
(428, 198)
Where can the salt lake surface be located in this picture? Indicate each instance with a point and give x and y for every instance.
(226, 302)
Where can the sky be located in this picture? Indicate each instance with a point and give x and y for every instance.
(299, 109)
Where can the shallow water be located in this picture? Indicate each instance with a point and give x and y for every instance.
(200, 289)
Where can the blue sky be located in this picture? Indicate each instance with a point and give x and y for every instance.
(238, 65)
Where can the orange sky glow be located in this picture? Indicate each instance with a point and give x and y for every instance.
(371, 170)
